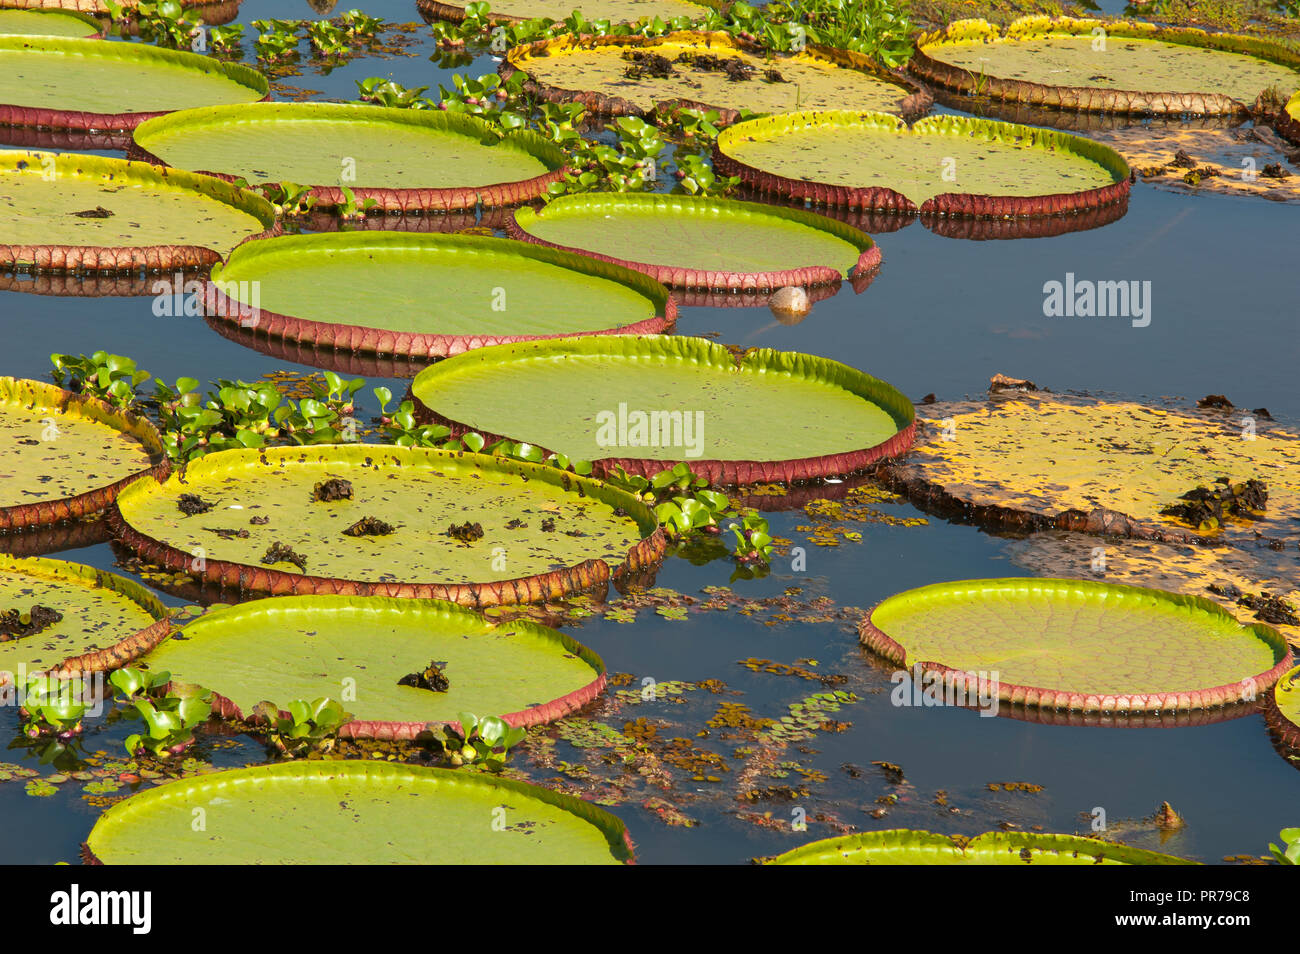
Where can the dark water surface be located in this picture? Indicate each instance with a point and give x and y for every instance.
(942, 316)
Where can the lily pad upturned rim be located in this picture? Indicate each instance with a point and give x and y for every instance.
(613, 828)
(46, 512)
(430, 199)
(693, 279)
(538, 587)
(1287, 730)
(130, 257)
(120, 653)
(396, 730)
(721, 472)
(884, 645)
(603, 104)
(81, 120)
(1090, 98)
(890, 840)
(97, 29)
(953, 204)
(434, 10)
(338, 360)
(378, 341)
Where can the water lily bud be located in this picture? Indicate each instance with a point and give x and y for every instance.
(790, 305)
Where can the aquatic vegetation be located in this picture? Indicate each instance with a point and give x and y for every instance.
(967, 642)
(1106, 66)
(904, 847)
(1289, 854)
(486, 740)
(48, 22)
(300, 727)
(478, 817)
(169, 721)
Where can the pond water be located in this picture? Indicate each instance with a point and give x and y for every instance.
(942, 316)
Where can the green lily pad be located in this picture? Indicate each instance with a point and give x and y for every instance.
(907, 847)
(70, 211)
(592, 399)
(403, 159)
(47, 23)
(594, 71)
(487, 290)
(359, 648)
(544, 532)
(694, 242)
(615, 11)
(1282, 708)
(1078, 644)
(107, 619)
(79, 83)
(1106, 66)
(66, 456)
(954, 165)
(333, 812)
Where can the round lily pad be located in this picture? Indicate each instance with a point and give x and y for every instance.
(647, 403)
(65, 455)
(355, 812)
(212, 12)
(73, 212)
(693, 242)
(907, 847)
(104, 620)
(615, 11)
(1106, 66)
(1076, 644)
(1031, 462)
(594, 71)
(945, 165)
(305, 647)
(89, 84)
(372, 520)
(48, 22)
(402, 159)
(1282, 708)
(429, 295)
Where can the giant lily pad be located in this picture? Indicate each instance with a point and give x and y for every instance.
(947, 165)
(305, 647)
(66, 211)
(645, 403)
(65, 455)
(428, 295)
(463, 527)
(1033, 462)
(615, 11)
(211, 12)
(89, 84)
(402, 159)
(1077, 644)
(1104, 66)
(592, 70)
(47, 22)
(334, 812)
(701, 243)
(106, 620)
(1282, 708)
(907, 847)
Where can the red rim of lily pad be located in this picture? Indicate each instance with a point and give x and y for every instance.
(706, 298)
(46, 512)
(707, 280)
(536, 588)
(365, 364)
(1091, 98)
(126, 257)
(1287, 731)
(62, 140)
(951, 204)
(1048, 698)
(91, 122)
(914, 102)
(125, 650)
(70, 535)
(728, 473)
(77, 285)
(395, 730)
(398, 200)
(420, 345)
